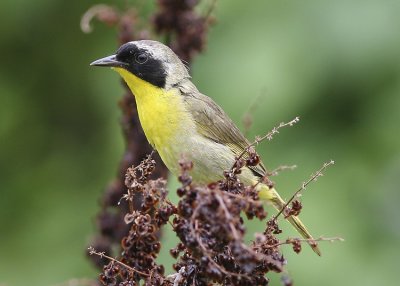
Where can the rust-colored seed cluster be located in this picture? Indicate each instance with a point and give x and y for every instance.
(207, 220)
(294, 209)
(141, 246)
(186, 28)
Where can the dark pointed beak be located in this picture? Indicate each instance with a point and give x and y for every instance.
(110, 61)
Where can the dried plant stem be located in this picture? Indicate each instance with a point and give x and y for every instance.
(268, 136)
(92, 251)
(240, 197)
(313, 177)
(290, 240)
(228, 216)
(279, 169)
(104, 12)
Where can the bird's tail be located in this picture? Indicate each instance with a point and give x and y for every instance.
(272, 195)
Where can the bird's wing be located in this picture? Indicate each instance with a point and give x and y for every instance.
(213, 123)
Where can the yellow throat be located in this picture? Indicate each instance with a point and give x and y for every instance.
(161, 112)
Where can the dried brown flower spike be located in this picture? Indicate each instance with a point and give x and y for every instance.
(208, 223)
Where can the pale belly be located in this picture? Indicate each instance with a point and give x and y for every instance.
(209, 158)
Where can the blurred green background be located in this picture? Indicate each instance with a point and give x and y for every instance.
(336, 64)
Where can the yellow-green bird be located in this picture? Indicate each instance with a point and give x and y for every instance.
(180, 121)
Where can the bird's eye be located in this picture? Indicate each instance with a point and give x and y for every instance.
(141, 58)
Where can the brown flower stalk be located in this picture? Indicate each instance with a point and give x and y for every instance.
(186, 31)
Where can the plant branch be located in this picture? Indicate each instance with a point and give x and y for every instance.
(291, 240)
(269, 136)
(279, 169)
(313, 177)
(92, 251)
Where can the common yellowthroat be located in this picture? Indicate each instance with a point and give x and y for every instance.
(180, 121)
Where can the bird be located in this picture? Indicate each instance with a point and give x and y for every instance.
(179, 121)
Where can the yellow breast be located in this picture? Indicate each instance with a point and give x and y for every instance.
(161, 113)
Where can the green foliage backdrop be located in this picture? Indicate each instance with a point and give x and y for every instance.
(336, 64)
